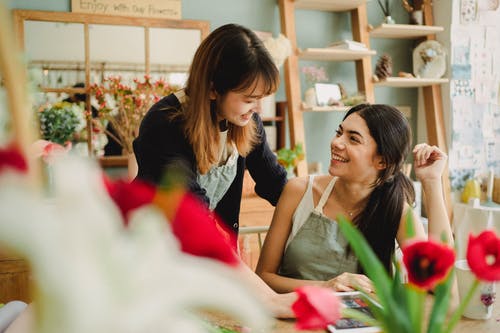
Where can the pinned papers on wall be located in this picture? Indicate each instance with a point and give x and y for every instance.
(474, 91)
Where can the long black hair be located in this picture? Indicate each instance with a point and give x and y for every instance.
(379, 221)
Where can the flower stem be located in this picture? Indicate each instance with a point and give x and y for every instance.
(458, 313)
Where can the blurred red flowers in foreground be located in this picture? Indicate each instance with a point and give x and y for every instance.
(196, 228)
(315, 308)
(427, 263)
(11, 158)
(483, 256)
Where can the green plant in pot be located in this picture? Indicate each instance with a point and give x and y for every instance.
(289, 158)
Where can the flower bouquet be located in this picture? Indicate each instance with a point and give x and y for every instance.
(400, 307)
(124, 106)
(61, 122)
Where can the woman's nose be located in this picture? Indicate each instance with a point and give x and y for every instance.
(338, 142)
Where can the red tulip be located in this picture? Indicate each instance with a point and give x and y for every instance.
(427, 263)
(483, 256)
(129, 196)
(201, 234)
(315, 308)
(11, 158)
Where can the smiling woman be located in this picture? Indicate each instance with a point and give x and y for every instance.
(211, 129)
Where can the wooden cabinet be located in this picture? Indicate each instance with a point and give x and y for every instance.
(14, 279)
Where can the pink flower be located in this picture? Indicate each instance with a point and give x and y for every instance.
(49, 150)
(483, 256)
(315, 308)
(427, 263)
(11, 158)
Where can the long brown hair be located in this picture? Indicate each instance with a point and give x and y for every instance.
(380, 219)
(231, 58)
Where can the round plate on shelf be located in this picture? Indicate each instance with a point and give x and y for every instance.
(429, 60)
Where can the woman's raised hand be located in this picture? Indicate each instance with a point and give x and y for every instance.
(429, 162)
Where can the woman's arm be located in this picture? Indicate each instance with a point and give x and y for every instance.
(279, 231)
(269, 175)
(429, 164)
(274, 248)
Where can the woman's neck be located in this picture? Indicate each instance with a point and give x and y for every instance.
(352, 195)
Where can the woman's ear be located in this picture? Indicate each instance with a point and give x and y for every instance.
(213, 93)
(380, 163)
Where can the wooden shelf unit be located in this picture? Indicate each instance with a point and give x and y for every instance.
(403, 31)
(362, 59)
(327, 108)
(331, 54)
(401, 82)
(329, 5)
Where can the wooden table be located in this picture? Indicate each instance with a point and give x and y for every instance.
(24, 323)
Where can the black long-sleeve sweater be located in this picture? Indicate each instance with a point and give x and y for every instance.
(162, 142)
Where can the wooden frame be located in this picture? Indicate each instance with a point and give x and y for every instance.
(20, 16)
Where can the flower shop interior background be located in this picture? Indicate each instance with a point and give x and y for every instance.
(59, 66)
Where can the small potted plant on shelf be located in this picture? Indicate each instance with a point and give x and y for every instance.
(289, 158)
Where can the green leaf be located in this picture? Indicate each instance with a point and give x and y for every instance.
(440, 307)
(410, 226)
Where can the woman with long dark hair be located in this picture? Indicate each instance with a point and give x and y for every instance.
(365, 184)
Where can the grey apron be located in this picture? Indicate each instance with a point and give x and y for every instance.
(319, 250)
(218, 179)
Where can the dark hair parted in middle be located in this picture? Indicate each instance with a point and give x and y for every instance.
(379, 221)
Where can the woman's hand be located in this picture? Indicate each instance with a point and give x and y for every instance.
(350, 282)
(429, 162)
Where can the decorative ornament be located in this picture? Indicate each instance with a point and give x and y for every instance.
(383, 69)
(429, 60)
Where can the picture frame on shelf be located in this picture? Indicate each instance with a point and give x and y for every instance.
(327, 93)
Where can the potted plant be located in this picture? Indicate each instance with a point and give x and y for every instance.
(289, 158)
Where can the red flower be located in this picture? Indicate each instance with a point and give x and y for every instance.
(11, 158)
(129, 196)
(315, 308)
(427, 263)
(483, 256)
(201, 234)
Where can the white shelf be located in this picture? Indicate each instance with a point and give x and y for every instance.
(402, 31)
(329, 5)
(331, 54)
(324, 108)
(401, 82)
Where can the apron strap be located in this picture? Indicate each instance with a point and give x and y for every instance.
(325, 195)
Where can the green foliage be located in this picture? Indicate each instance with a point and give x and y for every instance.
(289, 158)
(398, 307)
(60, 122)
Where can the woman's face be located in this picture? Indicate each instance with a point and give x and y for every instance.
(354, 152)
(238, 107)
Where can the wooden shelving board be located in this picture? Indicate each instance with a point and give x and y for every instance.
(404, 31)
(325, 108)
(331, 54)
(329, 5)
(401, 82)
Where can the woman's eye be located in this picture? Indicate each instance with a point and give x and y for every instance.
(338, 133)
(354, 139)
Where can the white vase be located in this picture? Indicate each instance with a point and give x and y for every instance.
(310, 97)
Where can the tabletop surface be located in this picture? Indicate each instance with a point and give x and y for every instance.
(24, 323)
